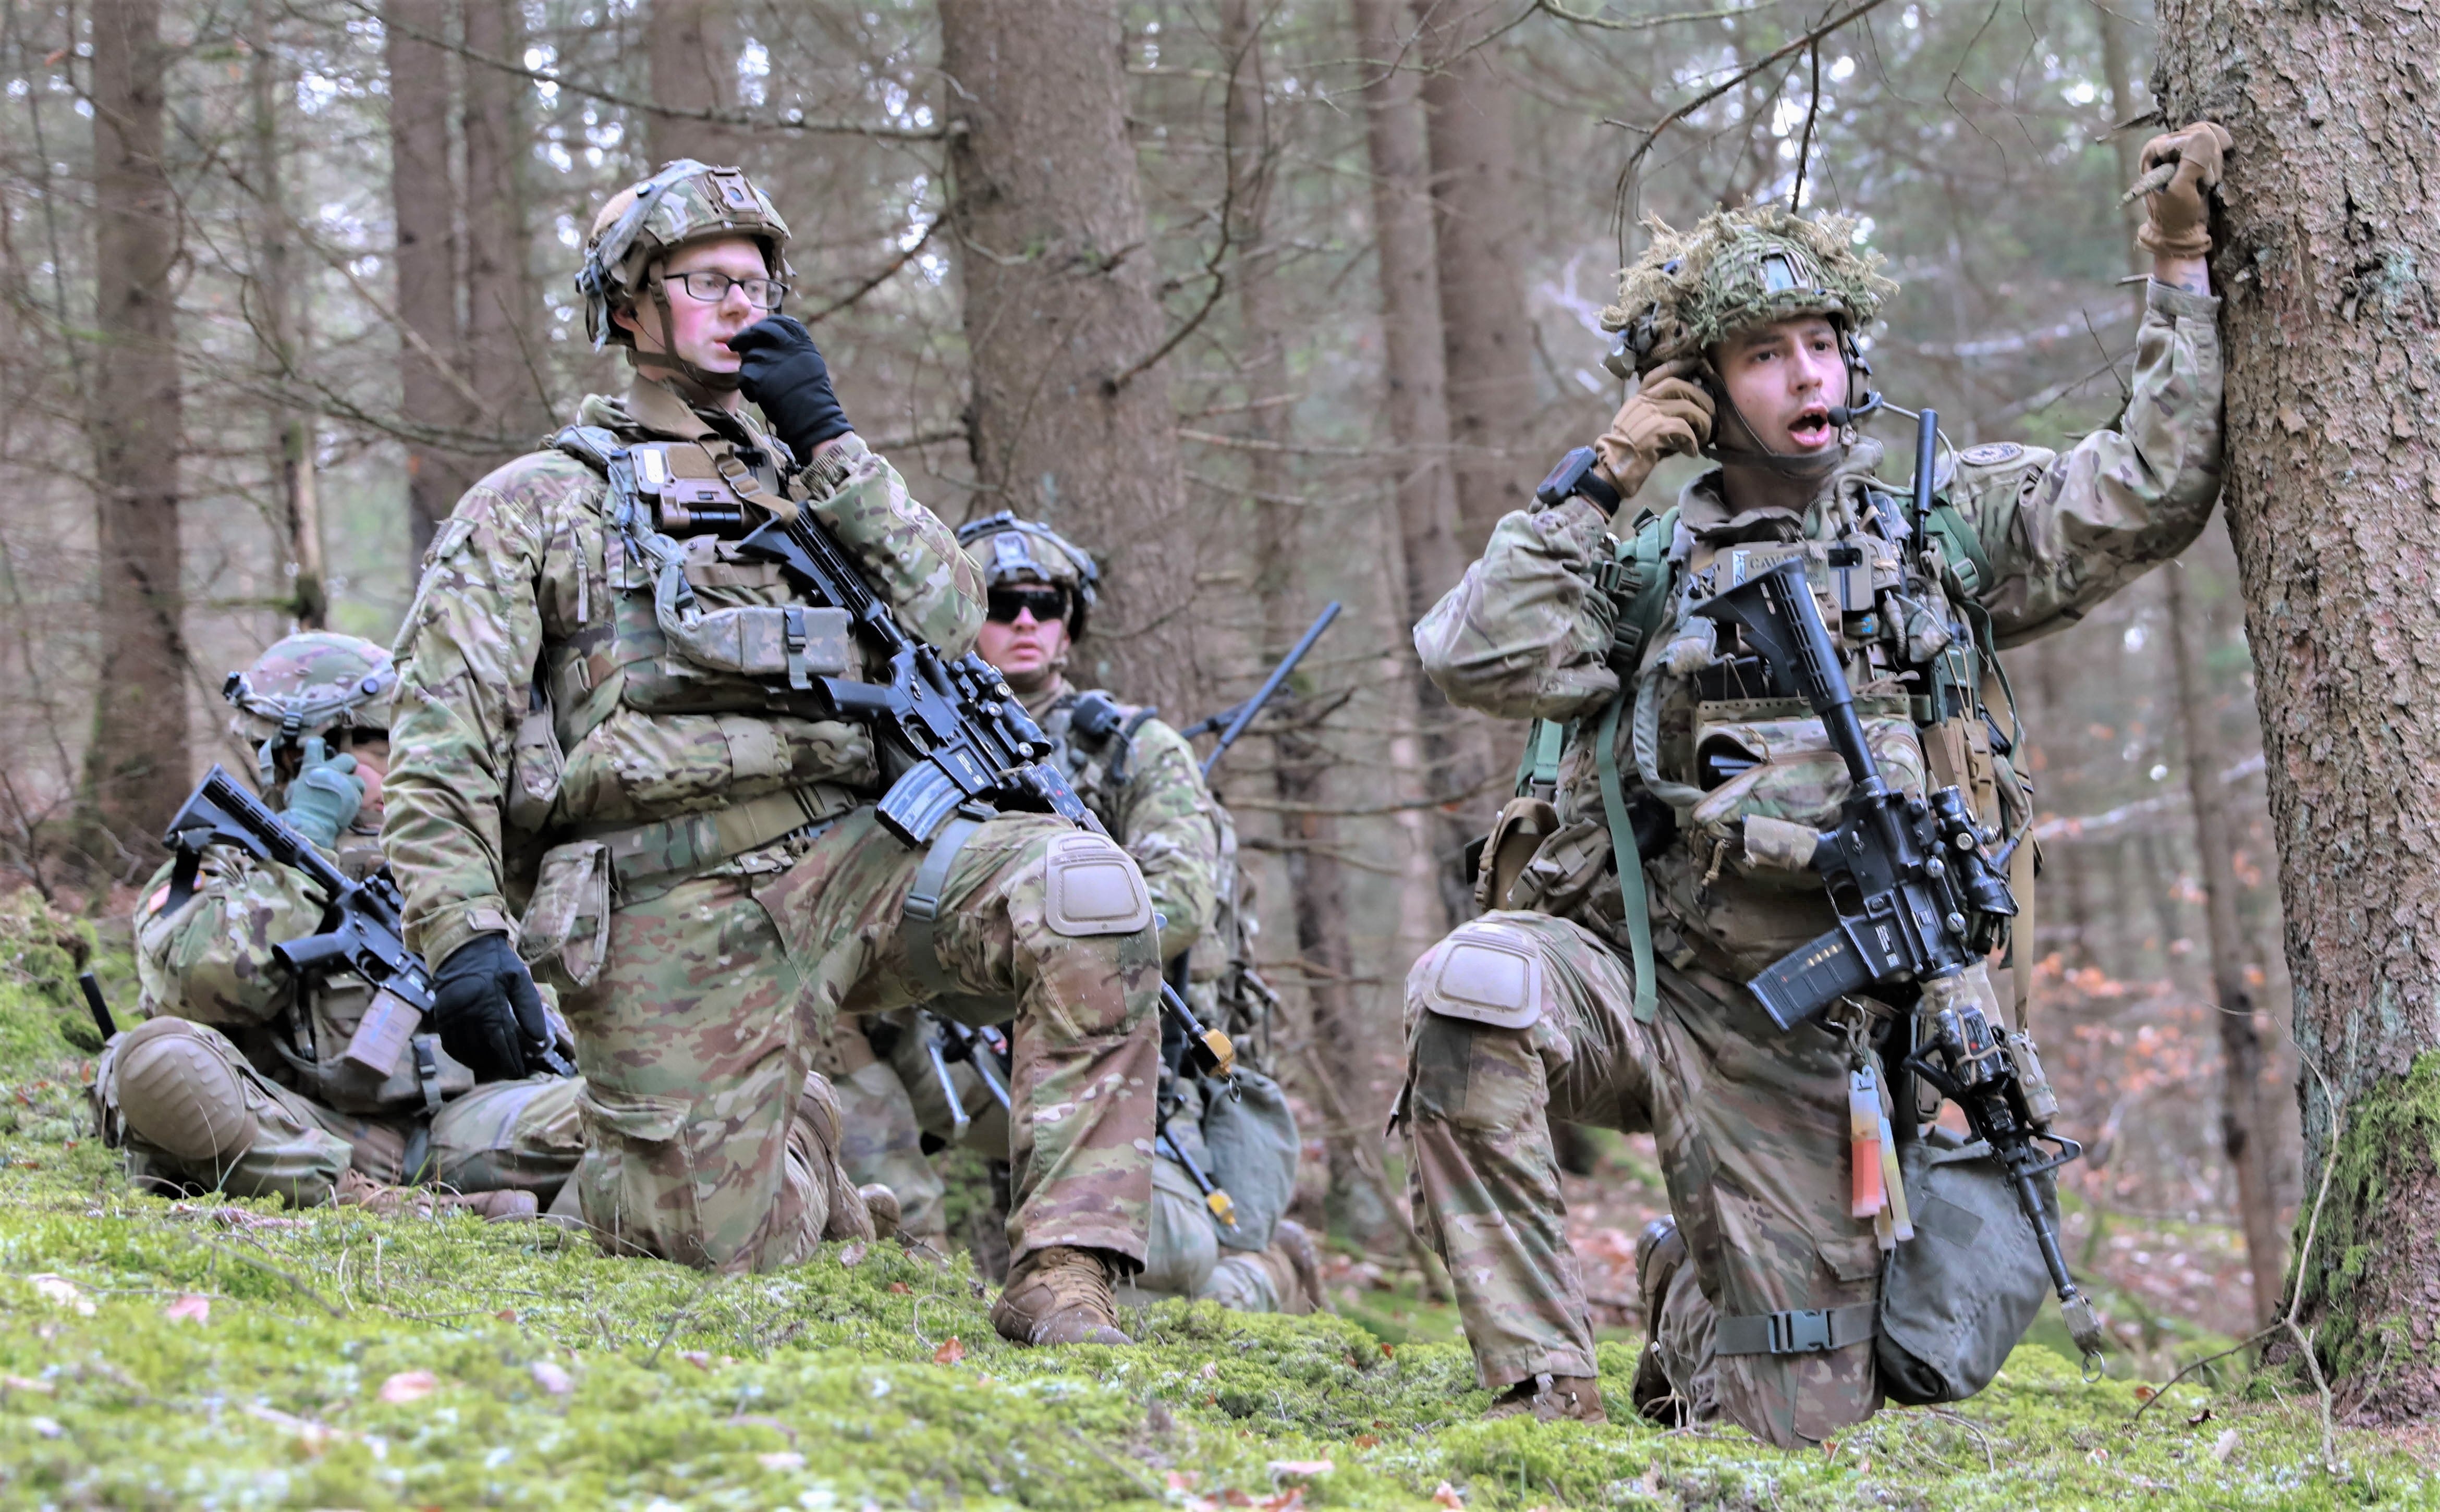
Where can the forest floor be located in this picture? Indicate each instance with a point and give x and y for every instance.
(204, 1354)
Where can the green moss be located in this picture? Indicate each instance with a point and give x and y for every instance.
(833, 1384)
(2391, 1130)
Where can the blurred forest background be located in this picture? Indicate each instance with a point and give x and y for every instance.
(279, 277)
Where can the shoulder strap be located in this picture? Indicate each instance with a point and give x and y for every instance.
(593, 445)
(1631, 901)
(1636, 578)
(1961, 547)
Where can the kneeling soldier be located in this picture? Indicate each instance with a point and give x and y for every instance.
(1646, 870)
(596, 672)
(236, 1081)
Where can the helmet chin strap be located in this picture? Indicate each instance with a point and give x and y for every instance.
(1805, 467)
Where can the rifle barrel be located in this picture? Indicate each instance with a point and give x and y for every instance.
(1244, 714)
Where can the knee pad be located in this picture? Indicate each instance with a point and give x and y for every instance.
(1092, 887)
(179, 1093)
(1485, 971)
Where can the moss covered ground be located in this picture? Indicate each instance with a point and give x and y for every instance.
(156, 1354)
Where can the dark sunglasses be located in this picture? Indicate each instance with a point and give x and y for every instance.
(1046, 604)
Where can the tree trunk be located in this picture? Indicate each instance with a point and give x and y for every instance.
(1309, 839)
(2328, 232)
(1070, 417)
(692, 45)
(135, 769)
(1457, 745)
(278, 333)
(423, 205)
(1485, 335)
(2065, 885)
(497, 349)
(2245, 1115)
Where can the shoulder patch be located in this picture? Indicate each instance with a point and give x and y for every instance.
(1990, 453)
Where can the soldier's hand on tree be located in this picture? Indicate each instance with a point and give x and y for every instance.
(324, 796)
(487, 1008)
(783, 372)
(2180, 208)
(1670, 414)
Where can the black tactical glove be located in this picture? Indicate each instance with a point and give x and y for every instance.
(486, 1009)
(784, 374)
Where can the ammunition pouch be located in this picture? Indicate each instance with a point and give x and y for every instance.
(566, 933)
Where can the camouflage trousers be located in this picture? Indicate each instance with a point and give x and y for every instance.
(1517, 1019)
(714, 993)
(890, 1103)
(501, 1135)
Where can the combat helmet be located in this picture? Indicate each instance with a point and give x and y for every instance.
(1738, 269)
(309, 685)
(683, 202)
(1011, 550)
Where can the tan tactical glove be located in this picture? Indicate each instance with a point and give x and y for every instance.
(2179, 206)
(1668, 416)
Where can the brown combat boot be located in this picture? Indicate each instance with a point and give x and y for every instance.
(1658, 1255)
(1289, 1238)
(1574, 1398)
(1060, 1295)
(882, 1203)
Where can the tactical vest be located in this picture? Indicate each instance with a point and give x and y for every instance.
(672, 694)
(1666, 777)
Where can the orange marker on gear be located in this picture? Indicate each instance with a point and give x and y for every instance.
(1868, 1193)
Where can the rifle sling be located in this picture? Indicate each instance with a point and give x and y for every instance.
(923, 907)
(1632, 904)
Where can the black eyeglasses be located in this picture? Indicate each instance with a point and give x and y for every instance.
(712, 288)
(1045, 604)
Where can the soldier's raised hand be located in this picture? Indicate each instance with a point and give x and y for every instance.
(324, 796)
(1670, 414)
(2179, 208)
(784, 373)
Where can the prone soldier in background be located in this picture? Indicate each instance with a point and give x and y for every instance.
(687, 731)
(1663, 848)
(1140, 778)
(236, 1080)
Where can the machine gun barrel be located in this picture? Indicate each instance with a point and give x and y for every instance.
(1231, 721)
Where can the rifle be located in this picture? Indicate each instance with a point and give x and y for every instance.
(96, 1004)
(362, 929)
(1919, 899)
(953, 729)
(1231, 721)
(986, 1049)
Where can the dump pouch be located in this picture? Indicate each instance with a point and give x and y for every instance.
(1957, 1297)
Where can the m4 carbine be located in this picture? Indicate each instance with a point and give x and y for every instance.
(953, 729)
(362, 929)
(1920, 900)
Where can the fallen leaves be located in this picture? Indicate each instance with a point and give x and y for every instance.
(60, 1292)
(950, 1353)
(852, 1255)
(780, 1459)
(9, 1383)
(1447, 1496)
(551, 1378)
(192, 1307)
(408, 1386)
(1298, 1470)
(2224, 1446)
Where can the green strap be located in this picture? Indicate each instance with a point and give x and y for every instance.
(1630, 861)
(1967, 558)
(1539, 769)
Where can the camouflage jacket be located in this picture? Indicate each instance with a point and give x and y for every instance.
(1144, 783)
(210, 960)
(2031, 540)
(534, 599)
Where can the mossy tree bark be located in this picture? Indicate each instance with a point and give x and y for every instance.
(1071, 415)
(2327, 248)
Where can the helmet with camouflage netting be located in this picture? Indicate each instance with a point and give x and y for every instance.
(1011, 550)
(314, 682)
(1738, 269)
(683, 202)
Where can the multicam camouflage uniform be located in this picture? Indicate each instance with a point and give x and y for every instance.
(235, 1081)
(1527, 1014)
(1141, 779)
(604, 682)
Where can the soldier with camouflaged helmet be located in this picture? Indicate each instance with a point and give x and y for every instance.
(1140, 778)
(1645, 870)
(235, 1081)
(606, 773)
